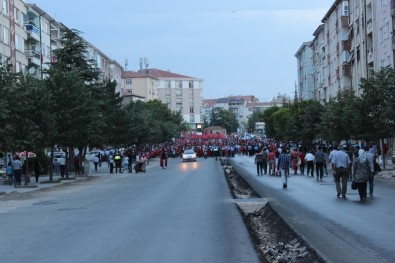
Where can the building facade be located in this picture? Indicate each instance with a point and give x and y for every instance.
(354, 40)
(305, 71)
(179, 92)
(13, 35)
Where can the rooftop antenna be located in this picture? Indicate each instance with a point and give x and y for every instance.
(126, 64)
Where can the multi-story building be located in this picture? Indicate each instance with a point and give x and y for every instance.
(353, 41)
(305, 71)
(318, 64)
(179, 92)
(242, 106)
(43, 34)
(13, 35)
(141, 85)
(330, 54)
(183, 94)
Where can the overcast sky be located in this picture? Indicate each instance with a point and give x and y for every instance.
(238, 47)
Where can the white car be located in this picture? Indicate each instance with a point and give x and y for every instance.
(90, 156)
(189, 156)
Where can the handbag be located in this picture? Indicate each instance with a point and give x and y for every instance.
(354, 185)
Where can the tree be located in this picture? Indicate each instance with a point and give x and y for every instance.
(281, 119)
(267, 117)
(224, 118)
(337, 117)
(255, 117)
(378, 103)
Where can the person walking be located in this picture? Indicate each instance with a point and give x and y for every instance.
(9, 172)
(340, 165)
(264, 160)
(118, 162)
(295, 160)
(126, 162)
(163, 158)
(370, 158)
(96, 161)
(271, 158)
(17, 169)
(283, 166)
(309, 158)
(62, 165)
(111, 162)
(361, 173)
(319, 159)
(302, 161)
(259, 162)
(37, 168)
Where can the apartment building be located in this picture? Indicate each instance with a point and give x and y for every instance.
(242, 106)
(179, 92)
(182, 93)
(328, 72)
(13, 35)
(305, 71)
(354, 40)
(29, 35)
(140, 85)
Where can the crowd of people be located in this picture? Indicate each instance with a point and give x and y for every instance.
(271, 158)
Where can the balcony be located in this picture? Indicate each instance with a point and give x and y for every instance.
(370, 55)
(345, 21)
(369, 26)
(345, 57)
(346, 70)
(346, 45)
(33, 32)
(33, 57)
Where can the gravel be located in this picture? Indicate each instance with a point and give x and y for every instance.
(273, 237)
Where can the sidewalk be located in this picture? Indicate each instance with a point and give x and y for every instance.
(43, 181)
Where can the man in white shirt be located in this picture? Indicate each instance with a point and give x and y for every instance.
(309, 158)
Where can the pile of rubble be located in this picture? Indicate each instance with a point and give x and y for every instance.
(274, 239)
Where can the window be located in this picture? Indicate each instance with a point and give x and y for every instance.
(19, 43)
(6, 7)
(6, 35)
(191, 110)
(192, 118)
(17, 16)
(128, 81)
(179, 84)
(178, 92)
(179, 102)
(168, 93)
(190, 84)
(167, 84)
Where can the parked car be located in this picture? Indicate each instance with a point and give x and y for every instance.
(189, 156)
(91, 155)
(57, 156)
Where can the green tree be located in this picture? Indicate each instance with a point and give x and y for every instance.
(378, 104)
(256, 116)
(310, 120)
(224, 118)
(281, 119)
(337, 118)
(267, 117)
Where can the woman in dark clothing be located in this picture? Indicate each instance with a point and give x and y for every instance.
(36, 169)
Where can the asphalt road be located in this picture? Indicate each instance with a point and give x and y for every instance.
(341, 230)
(184, 213)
